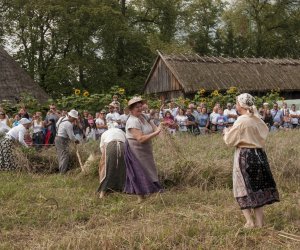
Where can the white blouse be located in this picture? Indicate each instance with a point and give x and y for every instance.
(17, 133)
(134, 122)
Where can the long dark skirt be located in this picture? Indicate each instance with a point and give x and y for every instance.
(7, 161)
(259, 182)
(112, 168)
(138, 180)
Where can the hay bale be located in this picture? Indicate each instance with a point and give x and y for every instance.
(45, 160)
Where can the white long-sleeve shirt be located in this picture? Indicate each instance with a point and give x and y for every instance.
(65, 129)
(17, 133)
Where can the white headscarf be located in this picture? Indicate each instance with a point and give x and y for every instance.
(246, 101)
(24, 121)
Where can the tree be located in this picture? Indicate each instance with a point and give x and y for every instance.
(263, 28)
(202, 18)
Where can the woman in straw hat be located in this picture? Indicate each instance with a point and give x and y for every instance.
(141, 172)
(253, 183)
(16, 134)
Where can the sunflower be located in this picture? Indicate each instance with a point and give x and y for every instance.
(121, 91)
(232, 90)
(86, 93)
(215, 93)
(201, 92)
(77, 91)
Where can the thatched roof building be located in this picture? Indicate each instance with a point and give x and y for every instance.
(183, 75)
(14, 80)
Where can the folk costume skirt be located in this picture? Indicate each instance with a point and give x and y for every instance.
(7, 161)
(141, 172)
(112, 168)
(253, 182)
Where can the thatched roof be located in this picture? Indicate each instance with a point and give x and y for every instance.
(194, 72)
(14, 80)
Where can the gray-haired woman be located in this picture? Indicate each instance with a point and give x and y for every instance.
(253, 183)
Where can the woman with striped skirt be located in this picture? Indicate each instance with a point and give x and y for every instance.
(253, 183)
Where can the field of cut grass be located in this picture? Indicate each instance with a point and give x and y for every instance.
(196, 211)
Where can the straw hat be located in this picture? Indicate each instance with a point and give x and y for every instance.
(73, 113)
(135, 100)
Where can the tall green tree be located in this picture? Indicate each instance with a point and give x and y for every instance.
(202, 18)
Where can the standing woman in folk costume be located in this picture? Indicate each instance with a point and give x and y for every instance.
(112, 170)
(16, 134)
(253, 183)
(141, 172)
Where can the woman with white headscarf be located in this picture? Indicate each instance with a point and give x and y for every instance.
(16, 134)
(112, 170)
(253, 183)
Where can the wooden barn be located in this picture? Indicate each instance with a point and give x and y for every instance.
(183, 75)
(14, 80)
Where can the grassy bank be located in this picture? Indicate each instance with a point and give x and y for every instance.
(197, 210)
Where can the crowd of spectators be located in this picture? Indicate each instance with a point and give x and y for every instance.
(195, 119)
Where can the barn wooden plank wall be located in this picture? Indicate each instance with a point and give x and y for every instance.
(162, 80)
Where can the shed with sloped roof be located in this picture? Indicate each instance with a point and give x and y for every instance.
(174, 75)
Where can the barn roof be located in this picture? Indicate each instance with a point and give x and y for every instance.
(194, 72)
(14, 80)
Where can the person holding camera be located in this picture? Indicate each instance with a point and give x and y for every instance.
(64, 135)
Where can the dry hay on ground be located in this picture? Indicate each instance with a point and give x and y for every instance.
(45, 160)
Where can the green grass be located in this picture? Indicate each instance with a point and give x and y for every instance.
(197, 211)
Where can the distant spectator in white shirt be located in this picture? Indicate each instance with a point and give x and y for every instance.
(101, 123)
(4, 123)
(113, 115)
(213, 119)
(231, 114)
(295, 115)
(124, 118)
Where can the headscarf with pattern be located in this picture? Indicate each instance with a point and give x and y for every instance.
(246, 101)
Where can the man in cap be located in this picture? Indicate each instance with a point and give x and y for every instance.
(64, 135)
